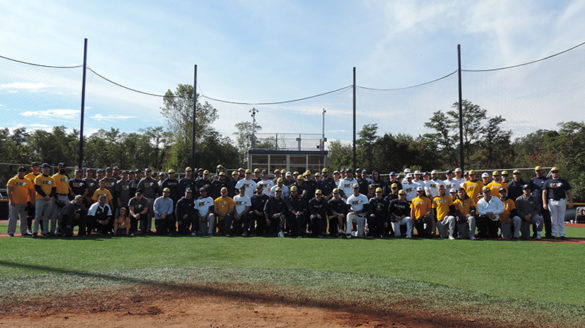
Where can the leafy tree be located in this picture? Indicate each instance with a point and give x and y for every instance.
(245, 134)
(340, 155)
(365, 145)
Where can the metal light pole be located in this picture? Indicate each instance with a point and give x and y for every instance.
(194, 117)
(461, 160)
(80, 162)
(323, 139)
(253, 137)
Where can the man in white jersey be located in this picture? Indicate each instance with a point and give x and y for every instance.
(357, 211)
(345, 185)
(248, 183)
(409, 187)
(265, 183)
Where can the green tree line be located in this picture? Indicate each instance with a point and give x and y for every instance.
(486, 145)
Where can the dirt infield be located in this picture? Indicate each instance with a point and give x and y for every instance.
(217, 305)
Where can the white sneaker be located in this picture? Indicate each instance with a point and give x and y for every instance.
(280, 234)
(472, 238)
(451, 238)
(538, 235)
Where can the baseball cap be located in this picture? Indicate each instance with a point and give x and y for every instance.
(554, 169)
(434, 172)
(221, 174)
(504, 172)
(61, 164)
(419, 189)
(248, 171)
(279, 180)
(453, 190)
(102, 196)
(394, 185)
(417, 172)
(379, 189)
(485, 175)
(336, 190)
(147, 169)
(219, 166)
(502, 189)
(263, 171)
(171, 171)
(166, 190)
(355, 185)
(458, 169)
(335, 172)
(318, 192)
(277, 189)
(392, 174)
(235, 173)
(317, 174)
(257, 170)
(277, 171)
(516, 172)
(401, 192)
(324, 170)
(294, 188)
(409, 175)
(288, 174)
(495, 173)
(240, 169)
(526, 186)
(222, 189)
(537, 168)
(450, 172)
(45, 165)
(471, 172)
(299, 177)
(486, 189)
(189, 190)
(407, 170)
(204, 172)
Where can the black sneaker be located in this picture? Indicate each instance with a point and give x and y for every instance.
(563, 238)
(11, 234)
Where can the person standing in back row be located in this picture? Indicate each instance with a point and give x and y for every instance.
(554, 196)
(19, 190)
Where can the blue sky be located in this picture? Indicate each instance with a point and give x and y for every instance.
(272, 50)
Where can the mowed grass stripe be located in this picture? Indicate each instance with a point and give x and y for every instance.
(545, 272)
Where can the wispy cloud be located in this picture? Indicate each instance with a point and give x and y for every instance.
(66, 114)
(113, 117)
(25, 86)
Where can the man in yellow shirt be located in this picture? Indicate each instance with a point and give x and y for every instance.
(44, 200)
(496, 184)
(473, 186)
(224, 212)
(510, 221)
(421, 213)
(35, 171)
(466, 213)
(443, 212)
(63, 191)
(102, 190)
(19, 190)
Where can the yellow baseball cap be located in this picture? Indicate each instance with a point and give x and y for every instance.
(324, 170)
(394, 185)
(171, 171)
(293, 188)
(279, 180)
(206, 172)
(277, 189)
(401, 192)
(537, 168)
(256, 170)
(504, 172)
(471, 172)
(188, 169)
(495, 173)
(554, 168)
(336, 190)
(379, 189)
(248, 171)
(516, 172)
(486, 189)
(166, 190)
(318, 192)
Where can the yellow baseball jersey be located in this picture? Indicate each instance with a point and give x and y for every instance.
(495, 188)
(473, 189)
(46, 183)
(223, 205)
(122, 222)
(509, 206)
(464, 206)
(20, 190)
(61, 183)
(100, 191)
(31, 177)
(441, 205)
(420, 205)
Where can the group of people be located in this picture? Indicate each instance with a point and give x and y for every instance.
(254, 203)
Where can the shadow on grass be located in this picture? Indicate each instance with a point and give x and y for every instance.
(274, 294)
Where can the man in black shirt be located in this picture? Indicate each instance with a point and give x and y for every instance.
(337, 211)
(185, 214)
(399, 210)
(297, 207)
(318, 212)
(275, 211)
(377, 214)
(257, 219)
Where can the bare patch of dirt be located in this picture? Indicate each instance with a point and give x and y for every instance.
(213, 305)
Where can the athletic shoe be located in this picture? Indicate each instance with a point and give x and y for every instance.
(538, 235)
(11, 234)
(472, 238)
(280, 234)
(245, 234)
(193, 234)
(451, 238)
(27, 234)
(563, 238)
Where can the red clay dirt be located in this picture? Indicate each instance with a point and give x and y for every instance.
(216, 305)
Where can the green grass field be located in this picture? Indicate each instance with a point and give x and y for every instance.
(513, 279)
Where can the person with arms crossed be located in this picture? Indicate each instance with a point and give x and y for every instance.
(421, 212)
(358, 206)
(444, 209)
(19, 190)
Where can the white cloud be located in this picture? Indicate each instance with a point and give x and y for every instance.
(27, 86)
(66, 114)
(113, 117)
